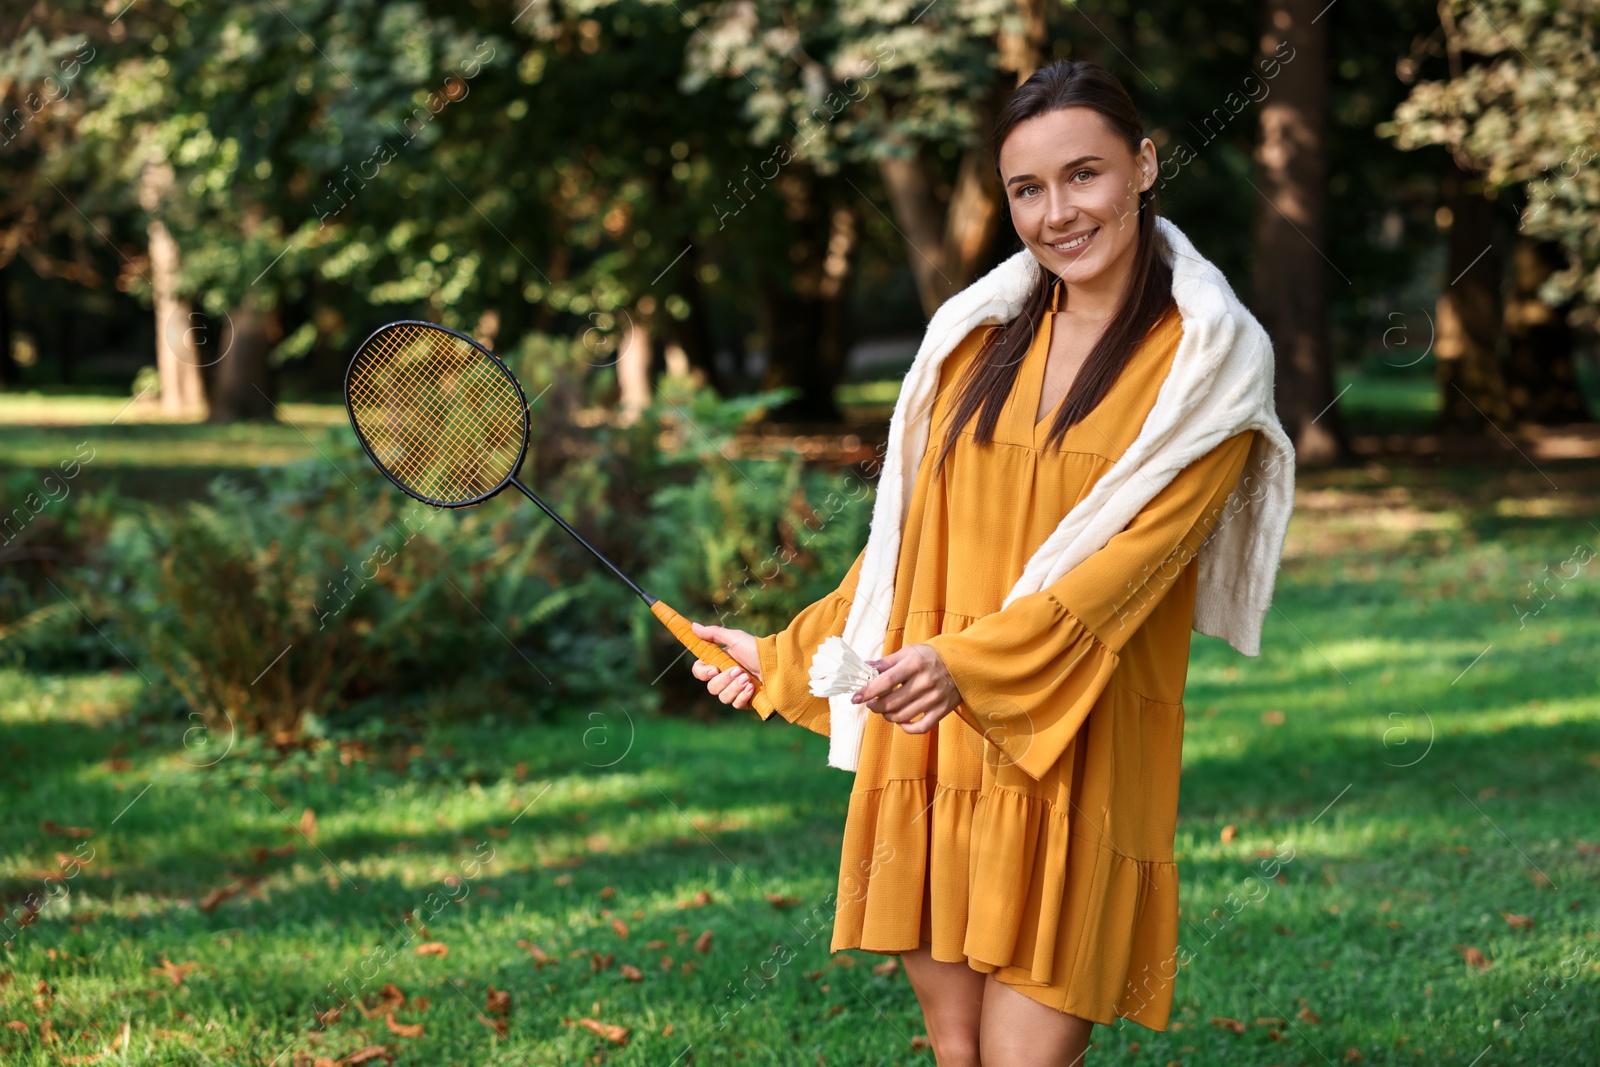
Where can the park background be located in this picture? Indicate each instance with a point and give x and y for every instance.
(297, 770)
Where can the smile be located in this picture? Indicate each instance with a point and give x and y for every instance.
(1077, 243)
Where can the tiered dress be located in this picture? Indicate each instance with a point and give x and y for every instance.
(1030, 833)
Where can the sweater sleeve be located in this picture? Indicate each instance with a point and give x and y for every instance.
(1030, 673)
(786, 655)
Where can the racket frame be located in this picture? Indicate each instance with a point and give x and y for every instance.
(498, 365)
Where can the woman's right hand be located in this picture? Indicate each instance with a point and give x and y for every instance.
(736, 685)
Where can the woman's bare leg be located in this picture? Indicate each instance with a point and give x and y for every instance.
(951, 996)
(1017, 1031)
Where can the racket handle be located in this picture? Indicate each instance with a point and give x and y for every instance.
(707, 651)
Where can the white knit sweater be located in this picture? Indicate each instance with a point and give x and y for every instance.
(1220, 384)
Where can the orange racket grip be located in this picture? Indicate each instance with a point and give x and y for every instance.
(707, 651)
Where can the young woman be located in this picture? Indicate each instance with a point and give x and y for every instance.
(1019, 858)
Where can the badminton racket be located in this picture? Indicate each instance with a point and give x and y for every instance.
(445, 420)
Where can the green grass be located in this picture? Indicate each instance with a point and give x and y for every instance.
(1429, 756)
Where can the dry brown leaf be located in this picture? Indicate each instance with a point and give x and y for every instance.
(610, 1031)
(778, 900)
(15, 1025)
(1272, 1021)
(1589, 848)
(499, 1026)
(699, 900)
(703, 942)
(497, 1002)
(888, 966)
(257, 853)
(1306, 1015)
(631, 973)
(1473, 957)
(1272, 717)
(1518, 922)
(331, 1016)
(392, 995)
(655, 945)
(64, 831)
(1224, 1023)
(1353, 1054)
(597, 962)
(175, 971)
(402, 1029)
(540, 957)
(283, 850)
(1540, 879)
(606, 892)
(308, 824)
(620, 927)
(921, 1043)
(499, 832)
(1229, 832)
(210, 901)
(367, 1055)
(433, 948)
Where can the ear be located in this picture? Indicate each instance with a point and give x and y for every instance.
(1147, 164)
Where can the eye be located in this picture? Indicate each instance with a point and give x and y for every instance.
(1085, 170)
(1025, 188)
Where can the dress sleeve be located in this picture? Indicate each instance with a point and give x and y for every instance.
(786, 655)
(1030, 673)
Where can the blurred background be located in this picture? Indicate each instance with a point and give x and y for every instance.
(707, 237)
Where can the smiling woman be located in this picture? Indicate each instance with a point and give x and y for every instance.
(1020, 766)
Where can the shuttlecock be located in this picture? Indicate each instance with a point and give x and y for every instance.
(836, 669)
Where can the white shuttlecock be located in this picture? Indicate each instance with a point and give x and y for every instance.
(836, 669)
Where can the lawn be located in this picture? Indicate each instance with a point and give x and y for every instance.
(1418, 743)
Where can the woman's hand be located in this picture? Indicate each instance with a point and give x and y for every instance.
(736, 685)
(913, 682)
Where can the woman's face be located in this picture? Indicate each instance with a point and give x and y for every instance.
(1073, 190)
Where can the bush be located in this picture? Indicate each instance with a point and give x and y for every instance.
(327, 590)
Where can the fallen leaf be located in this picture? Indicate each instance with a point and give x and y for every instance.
(433, 948)
(610, 1031)
(308, 826)
(1224, 1023)
(392, 995)
(620, 927)
(699, 900)
(175, 971)
(778, 900)
(118, 764)
(654, 945)
(1473, 957)
(210, 901)
(65, 831)
(887, 967)
(498, 1001)
(1518, 922)
(920, 1043)
(1589, 848)
(258, 853)
(703, 942)
(15, 1025)
(501, 833)
(1353, 1054)
(499, 1026)
(631, 973)
(1272, 1021)
(1272, 717)
(402, 1029)
(539, 955)
(1229, 832)
(1306, 1015)
(598, 962)
(1540, 879)
(367, 1055)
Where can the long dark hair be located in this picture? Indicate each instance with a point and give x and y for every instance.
(989, 378)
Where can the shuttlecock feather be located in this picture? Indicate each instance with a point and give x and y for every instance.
(837, 669)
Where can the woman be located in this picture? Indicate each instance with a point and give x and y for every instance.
(1017, 855)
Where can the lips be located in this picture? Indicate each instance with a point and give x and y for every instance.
(1077, 245)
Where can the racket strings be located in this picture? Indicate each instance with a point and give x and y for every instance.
(439, 416)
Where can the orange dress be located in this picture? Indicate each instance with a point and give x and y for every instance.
(1030, 833)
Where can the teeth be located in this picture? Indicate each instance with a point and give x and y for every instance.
(1070, 245)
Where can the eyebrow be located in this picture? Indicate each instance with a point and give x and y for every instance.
(1076, 162)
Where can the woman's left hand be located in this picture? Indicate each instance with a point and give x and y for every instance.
(913, 682)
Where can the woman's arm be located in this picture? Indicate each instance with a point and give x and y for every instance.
(786, 655)
(1029, 674)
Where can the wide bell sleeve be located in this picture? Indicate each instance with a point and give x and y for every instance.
(786, 655)
(1030, 673)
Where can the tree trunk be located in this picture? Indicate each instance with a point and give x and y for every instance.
(177, 362)
(693, 334)
(241, 389)
(10, 373)
(633, 367)
(1289, 282)
(1471, 386)
(1541, 380)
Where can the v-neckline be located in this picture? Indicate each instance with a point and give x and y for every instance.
(1036, 390)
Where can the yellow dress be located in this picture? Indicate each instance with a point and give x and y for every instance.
(1036, 831)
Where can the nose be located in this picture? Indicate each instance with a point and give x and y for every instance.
(1060, 213)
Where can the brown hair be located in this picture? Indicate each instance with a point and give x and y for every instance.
(990, 376)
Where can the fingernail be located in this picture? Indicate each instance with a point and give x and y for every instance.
(855, 698)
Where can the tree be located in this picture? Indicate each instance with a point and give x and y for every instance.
(1290, 264)
(1518, 109)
